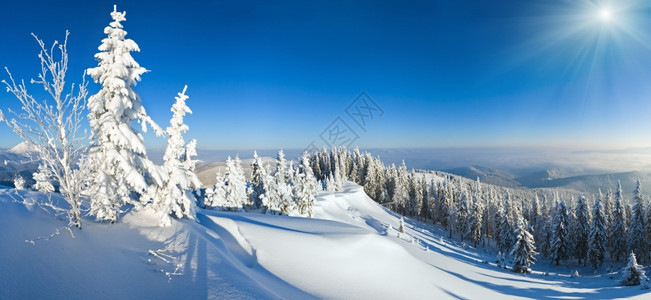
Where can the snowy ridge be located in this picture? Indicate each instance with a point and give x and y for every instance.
(22, 148)
(351, 249)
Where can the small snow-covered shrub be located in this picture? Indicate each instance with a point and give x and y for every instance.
(19, 182)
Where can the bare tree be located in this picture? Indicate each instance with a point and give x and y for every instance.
(53, 126)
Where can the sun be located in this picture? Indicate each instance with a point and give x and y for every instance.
(605, 15)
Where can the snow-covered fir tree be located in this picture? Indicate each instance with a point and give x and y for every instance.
(618, 232)
(373, 179)
(501, 228)
(581, 230)
(461, 213)
(609, 208)
(305, 187)
(258, 174)
(279, 198)
(637, 234)
(560, 240)
(415, 194)
(337, 179)
(507, 222)
(547, 235)
(534, 213)
(401, 194)
(391, 174)
(271, 198)
(215, 197)
(598, 236)
(330, 185)
(426, 207)
(117, 159)
(633, 273)
(174, 196)
(475, 215)
(524, 250)
(290, 173)
(444, 204)
(235, 185)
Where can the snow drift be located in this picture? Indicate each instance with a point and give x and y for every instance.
(351, 249)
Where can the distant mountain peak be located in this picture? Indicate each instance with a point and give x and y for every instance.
(22, 148)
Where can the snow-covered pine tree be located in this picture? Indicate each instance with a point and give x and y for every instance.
(174, 197)
(524, 250)
(353, 173)
(305, 187)
(424, 213)
(281, 193)
(338, 179)
(633, 274)
(618, 233)
(390, 183)
(637, 229)
(534, 213)
(271, 198)
(462, 211)
(235, 185)
(609, 208)
(490, 211)
(476, 221)
(560, 241)
(501, 225)
(598, 236)
(118, 159)
(215, 197)
(373, 179)
(325, 164)
(452, 216)
(507, 223)
(258, 173)
(290, 173)
(581, 230)
(316, 166)
(330, 184)
(444, 203)
(547, 235)
(401, 194)
(415, 194)
(475, 217)
(362, 167)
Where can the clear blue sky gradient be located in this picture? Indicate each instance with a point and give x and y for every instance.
(262, 75)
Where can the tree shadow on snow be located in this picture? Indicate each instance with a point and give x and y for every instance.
(207, 261)
(549, 293)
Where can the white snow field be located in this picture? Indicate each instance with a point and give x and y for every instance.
(350, 250)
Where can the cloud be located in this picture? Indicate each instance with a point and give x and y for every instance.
(573, 160)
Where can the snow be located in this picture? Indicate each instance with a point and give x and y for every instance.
(349, 250)
(23, 148)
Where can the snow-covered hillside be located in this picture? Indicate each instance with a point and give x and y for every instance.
(351, 250)
(206, 170)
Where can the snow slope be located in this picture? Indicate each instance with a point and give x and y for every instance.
(349, 250)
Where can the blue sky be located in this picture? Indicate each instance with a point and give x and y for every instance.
(262, 75)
